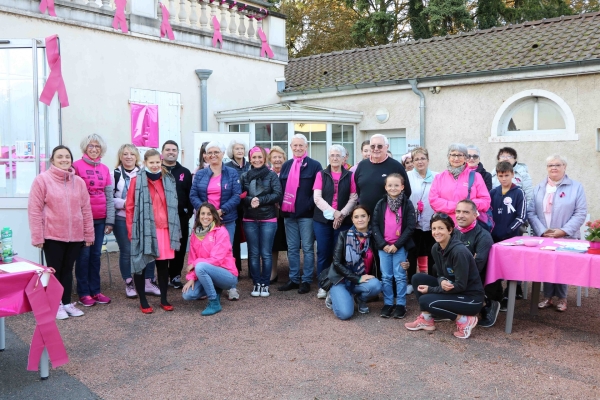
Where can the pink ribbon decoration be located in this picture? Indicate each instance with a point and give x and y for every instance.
(55, 82)
(119, 18)
(47, 4)
(242, 7)
(233, 4)
(165, 26)
(144, 125)
(265, 49)
(44, 304)
(217, 37)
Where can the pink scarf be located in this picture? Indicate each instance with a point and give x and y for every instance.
(468, 228)
(549, 198)
(291, 186)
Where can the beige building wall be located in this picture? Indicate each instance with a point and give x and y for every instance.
(465, 114)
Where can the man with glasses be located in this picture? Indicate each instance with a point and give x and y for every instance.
(474, 161)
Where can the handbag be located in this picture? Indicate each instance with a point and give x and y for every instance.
(324, 280)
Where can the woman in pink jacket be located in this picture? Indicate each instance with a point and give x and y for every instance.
(451, 186)
(60, 221)
(210, 260)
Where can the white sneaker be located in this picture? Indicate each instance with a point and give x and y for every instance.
(130, 289)
(233, 294)
(328, 302)
(409, 289)
(72, 310)
(151, 288)
(264, 291)
(255, 291)
(61, 313)
(321, 294)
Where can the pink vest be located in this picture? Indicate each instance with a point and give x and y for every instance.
(96, 178)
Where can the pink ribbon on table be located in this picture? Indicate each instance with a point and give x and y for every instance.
(265, 49)
(165, 26)
(55, 82)
(44, 304)
(49, 5)
(120, 18)
(217, 37)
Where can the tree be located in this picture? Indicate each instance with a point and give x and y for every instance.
(518, 11)
(378, 22)
(490, 13)
(447, 17)
(418, 21)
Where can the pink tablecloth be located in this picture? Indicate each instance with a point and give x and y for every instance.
(522, 263)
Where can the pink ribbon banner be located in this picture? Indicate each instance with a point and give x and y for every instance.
(55, 82)
(165, 26)
(265, 50)
(47, 5)
(120, 18)
(144, 125)
(217, 37)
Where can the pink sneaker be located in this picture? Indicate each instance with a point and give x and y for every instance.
(87, 301)
(421, 324)
(102, 299)
(464, 330)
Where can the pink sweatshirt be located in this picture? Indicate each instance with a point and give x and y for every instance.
(446, 192)
(214, 249)
(96, 177)
(59, 208)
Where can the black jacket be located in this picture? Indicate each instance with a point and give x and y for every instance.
(409, 222)
(268, 191)
(456, 264)
(487, 177)
(305, 202)
(183, 183)
(479, 242)
(339, 270)
(343, 194)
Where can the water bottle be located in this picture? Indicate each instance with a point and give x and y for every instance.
(7, 246)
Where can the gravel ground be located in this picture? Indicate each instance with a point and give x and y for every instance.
(290, 346)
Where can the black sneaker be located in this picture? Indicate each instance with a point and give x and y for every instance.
(288, 286)
(504, 304)
(489, 315)
(399, 312)
(304, 288)
(361, 305)
(519, 292)
(386, 311)
(176, 282)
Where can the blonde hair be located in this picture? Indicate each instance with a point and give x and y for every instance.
(418, 150)
(152, 153)
(133, 149)
(277, 149)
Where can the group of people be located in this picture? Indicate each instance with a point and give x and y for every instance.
(380, 226)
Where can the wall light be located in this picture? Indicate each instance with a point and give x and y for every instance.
(382, 115)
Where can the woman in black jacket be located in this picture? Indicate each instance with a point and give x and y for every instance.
(263, 191)
(353, 268)
(457, 293)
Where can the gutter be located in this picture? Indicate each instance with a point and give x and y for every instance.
(413, 84)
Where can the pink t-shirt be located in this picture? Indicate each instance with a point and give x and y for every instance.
(368, 257)
(393, 229)
(213, 191)
(318, 185)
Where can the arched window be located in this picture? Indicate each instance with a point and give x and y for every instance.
(533, 115)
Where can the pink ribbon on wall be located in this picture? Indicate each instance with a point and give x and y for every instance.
(217, 37)
(47, 4)
(120, 18)
(165, 26)
(55, 82)
(44, 304)
(265, 49)
(144, 125)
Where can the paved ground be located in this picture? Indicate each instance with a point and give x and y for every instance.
(290, 346)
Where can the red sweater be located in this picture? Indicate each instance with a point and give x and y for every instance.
(159, 204)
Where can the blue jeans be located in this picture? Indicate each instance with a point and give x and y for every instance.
(326, 240)
(259, 238)
(210, 276)
(390, 268)
(231, 230)
(342, 300)
(195, 293)
(300, 231)
(87, 267)
(120, 232)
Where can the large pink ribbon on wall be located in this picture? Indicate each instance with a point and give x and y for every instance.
(217, 37)
(120, 18)
(55, 82)
(165, 26)
(144, 125)
(47, 5)
(265, 50)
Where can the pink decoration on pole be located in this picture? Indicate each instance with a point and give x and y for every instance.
(217, 37)
(165, 26)
(119, 18)
(144, 125)
(55, 82)
(242, 7)
(47, 4)
(265, 50)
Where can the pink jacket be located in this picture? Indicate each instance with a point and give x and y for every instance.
(59, 208)
(99, 184)
(446, 192)
(214, 249)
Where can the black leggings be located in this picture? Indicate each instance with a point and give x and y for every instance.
(61, 256)
(162, 272)
(423, 244)
(442, 304)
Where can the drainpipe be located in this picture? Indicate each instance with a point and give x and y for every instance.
(203, 75)
(413, 84)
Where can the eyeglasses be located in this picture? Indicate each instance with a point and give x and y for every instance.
(334, 156)
(473, 156)
(440, 215)
(94, 146)
(213, 153)
(420, 159)
(456, 155)
(554, 165)
(504, 157)
(376, 146)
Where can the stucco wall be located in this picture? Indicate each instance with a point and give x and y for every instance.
(465, 113)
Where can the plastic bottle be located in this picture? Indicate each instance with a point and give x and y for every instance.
(7, 246)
